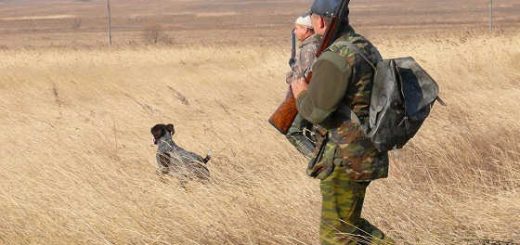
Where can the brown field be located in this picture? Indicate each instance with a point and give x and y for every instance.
(77, 163)
(77, 23)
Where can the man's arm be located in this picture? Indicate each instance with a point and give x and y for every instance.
(306, 59)
(327, 88)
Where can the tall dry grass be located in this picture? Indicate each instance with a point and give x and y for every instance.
(77, 163)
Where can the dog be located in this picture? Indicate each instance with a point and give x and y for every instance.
(173, 159)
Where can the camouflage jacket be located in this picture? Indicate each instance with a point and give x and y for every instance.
(304, 59)
(341, 85)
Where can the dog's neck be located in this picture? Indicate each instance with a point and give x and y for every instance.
(166, 143)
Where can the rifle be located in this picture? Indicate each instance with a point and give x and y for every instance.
(292, 60)
(284, 115)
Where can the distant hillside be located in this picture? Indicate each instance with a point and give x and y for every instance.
(80, 23)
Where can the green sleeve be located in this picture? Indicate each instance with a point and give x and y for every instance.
(330, 77)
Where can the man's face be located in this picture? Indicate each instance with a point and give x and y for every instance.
(302, 32)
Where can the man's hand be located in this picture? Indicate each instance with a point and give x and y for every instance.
(298, 86)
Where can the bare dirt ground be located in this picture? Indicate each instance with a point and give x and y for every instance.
(83, 23)
(77, 164)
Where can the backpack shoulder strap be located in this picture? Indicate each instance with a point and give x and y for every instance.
(356, 50)
(351, 46)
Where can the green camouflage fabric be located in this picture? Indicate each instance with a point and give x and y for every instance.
(304, 59)
(346, 160)
(347, 144)
(341, 221)
(299, 132)
(300, 136)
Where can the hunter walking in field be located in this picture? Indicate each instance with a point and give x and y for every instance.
(346, 160)
(299, 133)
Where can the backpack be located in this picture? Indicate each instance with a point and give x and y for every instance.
(402, 97)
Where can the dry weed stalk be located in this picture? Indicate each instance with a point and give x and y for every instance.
(456, 183)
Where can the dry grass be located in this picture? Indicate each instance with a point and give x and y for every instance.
(77, 162)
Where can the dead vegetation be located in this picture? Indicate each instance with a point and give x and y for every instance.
(83, 172)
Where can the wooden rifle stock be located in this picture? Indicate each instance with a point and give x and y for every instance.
(284, 116)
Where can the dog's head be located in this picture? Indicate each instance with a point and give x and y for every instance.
(161, 130)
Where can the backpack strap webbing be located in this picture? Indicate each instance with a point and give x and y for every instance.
(356, 50)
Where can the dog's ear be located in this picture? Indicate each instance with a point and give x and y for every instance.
(157, 129)
(170, 128)
(158, 132)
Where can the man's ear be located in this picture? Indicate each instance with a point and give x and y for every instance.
(170, 128)
(323, 23)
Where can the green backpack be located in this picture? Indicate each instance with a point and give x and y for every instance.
(402, 97)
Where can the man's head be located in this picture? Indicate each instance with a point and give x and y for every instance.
(322, 12)
(303, 28)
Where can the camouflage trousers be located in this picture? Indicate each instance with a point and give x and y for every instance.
(341, 221)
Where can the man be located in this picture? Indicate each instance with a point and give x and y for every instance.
(337, 100)
(300, 132)
(309, 44)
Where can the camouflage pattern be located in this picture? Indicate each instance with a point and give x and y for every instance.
(359, 155)
(298, 134)
(304, 59)
(301, 136)
(353, 150)
(346, 160)
(342, 203)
